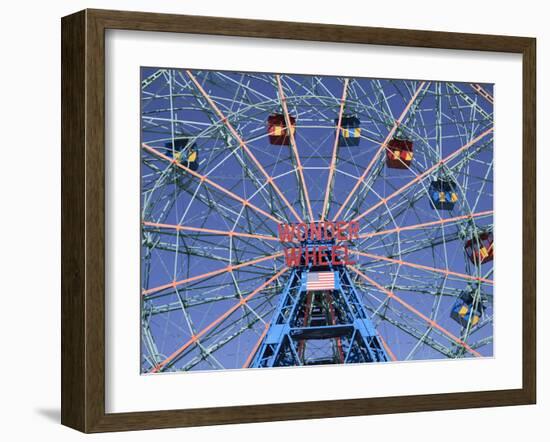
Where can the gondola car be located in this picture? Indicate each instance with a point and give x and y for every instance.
(350, 131)
(480, 250)
(277, 130)
(465, 311)
(443, 194)
(399, 153)
(185, 154)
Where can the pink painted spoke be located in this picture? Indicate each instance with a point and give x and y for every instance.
(205, 179)
(387, 348)
(381, 148)
(332, 168)
(424, 175)
(256, 346)
(212, 231)
(215, 322)
(242, 144)
(299, 166)
(409, 307)
(226, 269)
(427, 224)
(421, 267)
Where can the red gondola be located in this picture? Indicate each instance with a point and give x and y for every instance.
(481, 249)
(277, 130)
(399, 153)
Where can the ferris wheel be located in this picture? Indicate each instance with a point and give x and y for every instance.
(228, 157)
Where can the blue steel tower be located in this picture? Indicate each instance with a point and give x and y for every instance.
(319, 323)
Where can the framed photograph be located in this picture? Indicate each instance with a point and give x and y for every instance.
(271, 220)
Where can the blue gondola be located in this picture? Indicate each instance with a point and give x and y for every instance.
(443, 194)
(350, 132)
(463, 310)
(187, 155)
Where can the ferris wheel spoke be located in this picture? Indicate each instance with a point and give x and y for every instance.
(225, 332)
(404, 325)
(396, 215)
(398, 207)
(201, 293)
(332, 167)
(425, 142)
(412, 245)
(484, 183)
(453, 219)
(240, 245)
(296, 155)
(218, 345)
(425, 174)
(200, 247)
(212, 231)
(217, 337)
(416, 312)
(226, 269)
(423, 267)
(423, 336)
(385, 111)
(256, 346)
(459, 92)
(213, 205)
(243, 145)
(252, 91)
(402, 213)
(411, 326)
(193, 301)
(170, 359)
(392, 131)
(377, 107)
(205, 179)
(482, 92)
(387, 348)
(415, 284)
(403, 207)
(227, 140)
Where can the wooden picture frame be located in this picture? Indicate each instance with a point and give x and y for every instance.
(83, 219)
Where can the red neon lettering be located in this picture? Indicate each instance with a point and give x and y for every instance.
(341, 231)
(286, 232)
(323, 258)
(301, 231)
(354, 230)
(292, 256)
